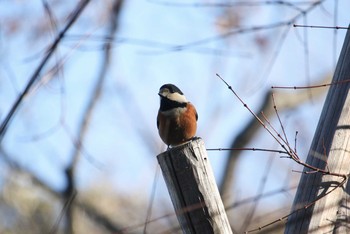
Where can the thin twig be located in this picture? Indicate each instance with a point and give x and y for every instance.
(279, 119)
(311, 86)
(293, 155)
(65, 208)
(247, 149)
(151, 200)
(231, 4)
(295, 141)
(260, 190)
(319, 26)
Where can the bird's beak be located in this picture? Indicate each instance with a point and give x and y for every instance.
(160, 95)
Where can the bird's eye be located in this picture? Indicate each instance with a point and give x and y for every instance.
(165, 91)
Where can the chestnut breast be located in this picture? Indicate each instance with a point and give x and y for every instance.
(177, 125)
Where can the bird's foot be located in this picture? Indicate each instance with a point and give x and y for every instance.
(195, 138)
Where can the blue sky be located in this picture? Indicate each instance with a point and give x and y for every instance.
(122, 140)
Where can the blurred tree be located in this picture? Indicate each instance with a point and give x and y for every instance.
(78, 153)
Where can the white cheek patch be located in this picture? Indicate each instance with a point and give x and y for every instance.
(177, 97)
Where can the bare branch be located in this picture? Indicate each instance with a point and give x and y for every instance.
(293, 155)
(50, 51)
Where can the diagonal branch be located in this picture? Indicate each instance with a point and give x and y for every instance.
(50, 51)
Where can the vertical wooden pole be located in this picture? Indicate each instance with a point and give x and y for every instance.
(192, 188)
(329, 149)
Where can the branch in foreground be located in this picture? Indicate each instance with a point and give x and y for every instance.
(286, 101)
(283, 142)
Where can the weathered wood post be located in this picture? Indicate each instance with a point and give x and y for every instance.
(193, 190)
(329, 149)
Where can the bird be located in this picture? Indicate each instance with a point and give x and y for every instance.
(177, 117)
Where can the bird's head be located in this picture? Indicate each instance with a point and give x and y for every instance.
(171, 92)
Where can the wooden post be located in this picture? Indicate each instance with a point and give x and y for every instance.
(329, 149)
(192, 188)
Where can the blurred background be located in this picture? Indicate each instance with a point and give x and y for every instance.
(79, 153)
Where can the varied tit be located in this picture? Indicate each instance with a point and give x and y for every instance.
(177, 118)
